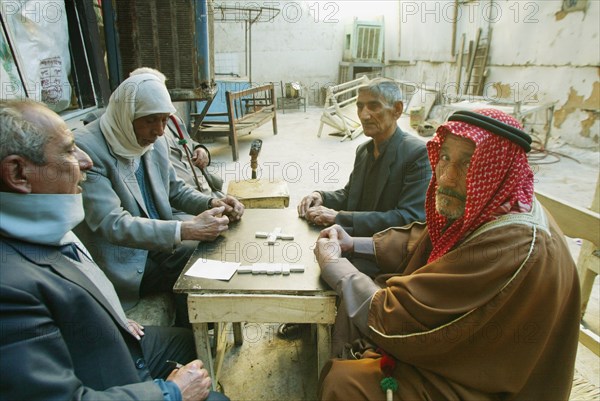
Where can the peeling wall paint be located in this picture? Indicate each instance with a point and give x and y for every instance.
(502, 90)
(577, 104)
(538, 53)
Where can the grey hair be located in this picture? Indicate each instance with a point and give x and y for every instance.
(151, 71)
(19, 136)
(386, 88)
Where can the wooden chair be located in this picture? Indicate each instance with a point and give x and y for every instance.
(340, 108)
(577, 222)
(247, 110)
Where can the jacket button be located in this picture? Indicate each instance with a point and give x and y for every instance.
(140, 363)
(140, 271)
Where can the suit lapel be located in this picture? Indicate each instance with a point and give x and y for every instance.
(386, 165)
(46, 255)
(358, 179)
(153, 175)
(126, 172)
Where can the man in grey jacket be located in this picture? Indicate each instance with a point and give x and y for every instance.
(390, 176)
(129, 226)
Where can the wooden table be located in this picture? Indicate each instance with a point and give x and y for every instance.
(295, 298)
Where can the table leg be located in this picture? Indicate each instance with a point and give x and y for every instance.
(220, 348)
(237, 334)
(323, 345)
(203, 349)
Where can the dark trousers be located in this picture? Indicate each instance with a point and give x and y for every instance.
(160, 344)
(161, 273)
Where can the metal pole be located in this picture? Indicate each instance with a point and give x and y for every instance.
(202, 41)
(112, 48)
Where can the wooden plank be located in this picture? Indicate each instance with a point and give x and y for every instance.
(203, 349)
(257, 117)
(588, 264)
(238, 337)
(574, 221)
(220, 348)
(589, 339)
(472, 53)
(259, 308)
(323, 345)
(460, 64)
(251, 91)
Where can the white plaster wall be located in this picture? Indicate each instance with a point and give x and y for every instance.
(536, 33)
(303, 43)
(552, 56)
(537, 52)
(425, 30)
(300, 44)
(572, 90)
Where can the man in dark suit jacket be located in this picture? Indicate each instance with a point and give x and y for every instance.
(65, 335)
(390, 176)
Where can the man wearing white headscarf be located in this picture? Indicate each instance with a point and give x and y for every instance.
(129, 226)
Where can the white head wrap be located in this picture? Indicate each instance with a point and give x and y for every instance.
(137, 96)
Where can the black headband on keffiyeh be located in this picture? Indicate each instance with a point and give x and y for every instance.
(499, 179)
(509, 132)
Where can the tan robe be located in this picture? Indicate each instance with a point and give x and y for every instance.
(495, 318)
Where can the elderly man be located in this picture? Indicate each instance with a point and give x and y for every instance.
(195, 169)
(388, 183)
(129, 225)
(64, 333)
(481, 304)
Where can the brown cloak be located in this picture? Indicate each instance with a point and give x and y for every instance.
(495, 318)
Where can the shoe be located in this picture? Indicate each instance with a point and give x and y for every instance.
(289, 331)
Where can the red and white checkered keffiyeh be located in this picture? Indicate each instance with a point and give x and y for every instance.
(499, 181)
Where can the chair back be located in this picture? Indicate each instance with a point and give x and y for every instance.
(577, 222)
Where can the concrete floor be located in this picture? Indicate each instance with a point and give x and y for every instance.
(268, 368)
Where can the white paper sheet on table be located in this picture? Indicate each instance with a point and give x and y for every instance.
(213, 269)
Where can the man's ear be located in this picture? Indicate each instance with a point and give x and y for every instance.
(13, 175)
(398, 108)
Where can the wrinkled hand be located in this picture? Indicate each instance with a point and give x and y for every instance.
(200, 157)
(206, 226)
(234, 209)
(343, 238)
(309, 201)
(321, 216)
(328, 248)
(193, 381)
(135, 328)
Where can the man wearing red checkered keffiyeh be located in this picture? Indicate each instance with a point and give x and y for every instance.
(499, 181)
(482, 303)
